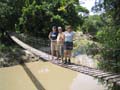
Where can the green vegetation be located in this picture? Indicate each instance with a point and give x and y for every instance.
(10, 55)
(36, 17)
(39, 16)
(92, 24)
(109, 34)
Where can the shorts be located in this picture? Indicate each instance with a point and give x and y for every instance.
(53, 46)
(68, 45)
(60, 49)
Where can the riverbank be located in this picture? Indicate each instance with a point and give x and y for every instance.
(12, 55)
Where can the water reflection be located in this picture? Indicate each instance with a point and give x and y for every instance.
(43, 70)
(84, 82)
(85, 60)
(53, 77)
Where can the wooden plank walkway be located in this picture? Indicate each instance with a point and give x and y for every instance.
(107, 76)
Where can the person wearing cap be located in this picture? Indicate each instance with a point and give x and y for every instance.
(68, 44)
(60, 43)
(53, 38)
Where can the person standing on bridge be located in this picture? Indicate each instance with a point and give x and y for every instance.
(53, 38)
(60, 42)
(68, 44)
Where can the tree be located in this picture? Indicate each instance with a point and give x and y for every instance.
(5, 12)
(109, 35)
(92, 24)
(111, 9)
(9, 13)
(40, 16)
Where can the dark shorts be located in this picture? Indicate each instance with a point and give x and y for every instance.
(68, 45)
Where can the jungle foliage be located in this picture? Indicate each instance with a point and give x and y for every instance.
(36, 17)
(109, 34)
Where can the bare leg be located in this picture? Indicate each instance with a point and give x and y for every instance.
(52, 53)
(57, 54)
(52, 50)
(61, 52)
(65, 55)
(69, 56)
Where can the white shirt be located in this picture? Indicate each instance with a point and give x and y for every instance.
(69, 36)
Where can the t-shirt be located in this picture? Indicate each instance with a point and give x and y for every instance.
(53, 35)
(69, 36)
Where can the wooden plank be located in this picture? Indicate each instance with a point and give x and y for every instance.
(101, 74)
(95, 74)
(118, 83)
(111, 77)
(86, 70)
(106, 75)
(114, 80)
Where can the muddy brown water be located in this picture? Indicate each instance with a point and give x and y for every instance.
(15, 78)
(50, 76)
(53, 77)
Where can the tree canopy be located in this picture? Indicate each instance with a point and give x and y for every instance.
(38, 16)
(109, 35)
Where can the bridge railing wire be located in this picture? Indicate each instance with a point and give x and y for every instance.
(36, 42)
(44, 44)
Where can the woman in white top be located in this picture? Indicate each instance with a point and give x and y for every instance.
(68, 44)
(60, 42)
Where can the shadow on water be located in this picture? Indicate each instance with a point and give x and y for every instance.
(32, 77)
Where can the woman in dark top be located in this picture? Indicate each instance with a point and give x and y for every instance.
(53, 38)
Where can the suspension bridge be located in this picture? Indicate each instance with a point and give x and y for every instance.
(47, 74)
